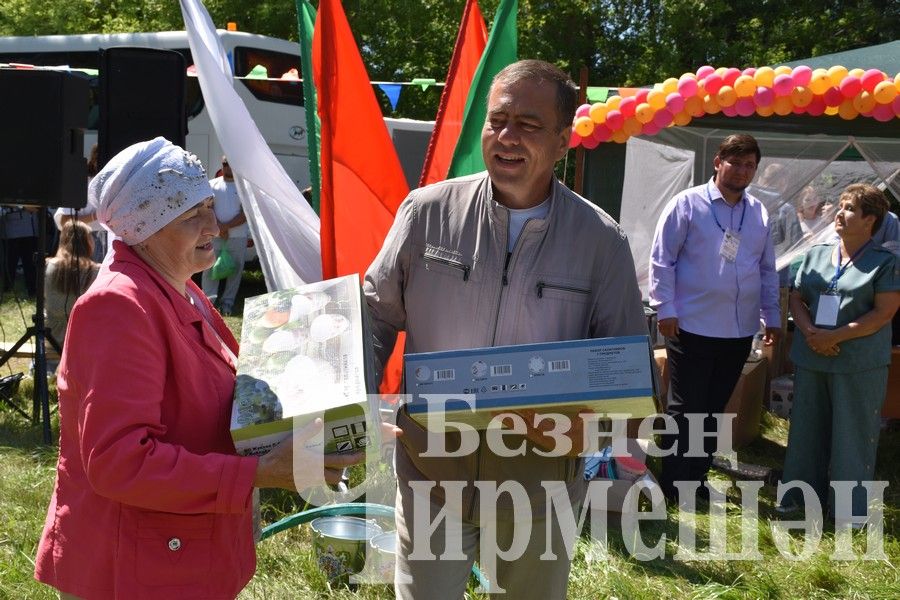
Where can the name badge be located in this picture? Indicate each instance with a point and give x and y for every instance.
(730, 244)
(827, 312)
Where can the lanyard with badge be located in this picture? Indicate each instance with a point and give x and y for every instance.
(830, 299)
(732, 240)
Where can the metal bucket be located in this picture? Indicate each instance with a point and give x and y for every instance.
(384, 546)
(340, 545)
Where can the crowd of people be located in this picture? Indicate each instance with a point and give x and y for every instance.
(148, 478)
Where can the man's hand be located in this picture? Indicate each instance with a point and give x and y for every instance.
(546, 431)
(223, 230)
(669, 327)
(772, 335)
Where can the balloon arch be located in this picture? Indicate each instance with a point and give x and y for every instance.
(764, 91)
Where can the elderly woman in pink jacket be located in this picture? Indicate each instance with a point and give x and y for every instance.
(151, 500)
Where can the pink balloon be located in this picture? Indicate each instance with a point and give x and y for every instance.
(614, 119)
(895, 105)
(833, 97)
(650, 128)
(816, 107)
(602, 133)
(871, 78)
(883, 112)
(799, 110)
(783, 85)
(627, 107)
(705, 71)
(583, 111)
(590, 142)
(712, 84)
(745, 107)
(850, 86)
(641, 95)
(802, 75)
(662, 118)
(687, 87)
(731, 74)
(574, 139)
(674, 102)
(749, 71)
(729, 111)
(764, 96)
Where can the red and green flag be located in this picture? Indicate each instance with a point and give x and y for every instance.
(501, 50)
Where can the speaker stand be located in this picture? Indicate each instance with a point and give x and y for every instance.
(41, 397)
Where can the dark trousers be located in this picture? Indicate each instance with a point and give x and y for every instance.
(703, 372)
(21, 249)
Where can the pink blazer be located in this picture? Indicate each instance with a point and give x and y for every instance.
(151, 500)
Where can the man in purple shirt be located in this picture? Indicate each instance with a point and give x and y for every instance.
(712, 278)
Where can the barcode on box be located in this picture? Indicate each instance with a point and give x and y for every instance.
(559, 365)
(501, 370)
(445, 375)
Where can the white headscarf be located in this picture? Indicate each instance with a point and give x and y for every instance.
(145, 186)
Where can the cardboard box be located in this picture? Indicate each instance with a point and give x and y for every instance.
(615, 497)
(781, 396)
(609, 375)
(891, 407)
(305, 352)
(746, 402)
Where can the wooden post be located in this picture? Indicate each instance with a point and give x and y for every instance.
(579, 151)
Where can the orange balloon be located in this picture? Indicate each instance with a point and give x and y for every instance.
(764, 76)
(819, 82)
(831, 110)
(885, 92)
(765, 111)
(783, 70)
(744, 86)
(847, 111)
(613, 102)
(584, 126)
(656, 99)
(694, 106)
(726, 96)
(837, 74)
(783, 105)
(598, 112)
(619, 136)
(856, 72)
(801, 96)
(644, 112)
(669, 85)
(710, 105)
(864, 102)
(681, 119)
(631, 126)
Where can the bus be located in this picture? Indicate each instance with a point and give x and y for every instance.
(275, 104)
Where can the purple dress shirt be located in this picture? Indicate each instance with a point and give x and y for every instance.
(691, 281)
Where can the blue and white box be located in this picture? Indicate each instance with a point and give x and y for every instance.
(605, 375)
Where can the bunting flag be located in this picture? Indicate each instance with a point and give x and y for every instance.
(470, 43)
(362, 181)
(500, 51)
(306, 20)
(392, 91)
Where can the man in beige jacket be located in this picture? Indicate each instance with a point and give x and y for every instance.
(510, 256)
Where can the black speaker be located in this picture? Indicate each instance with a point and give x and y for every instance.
(42, 149)
(141, 97)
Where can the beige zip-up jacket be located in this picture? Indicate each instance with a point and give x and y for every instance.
(443, 276)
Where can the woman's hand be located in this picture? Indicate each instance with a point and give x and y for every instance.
(822, 341)
(277, 469)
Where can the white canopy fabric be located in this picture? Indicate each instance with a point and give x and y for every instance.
(284, 226)
(796, 172)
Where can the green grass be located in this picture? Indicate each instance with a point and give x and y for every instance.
(287, 568)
